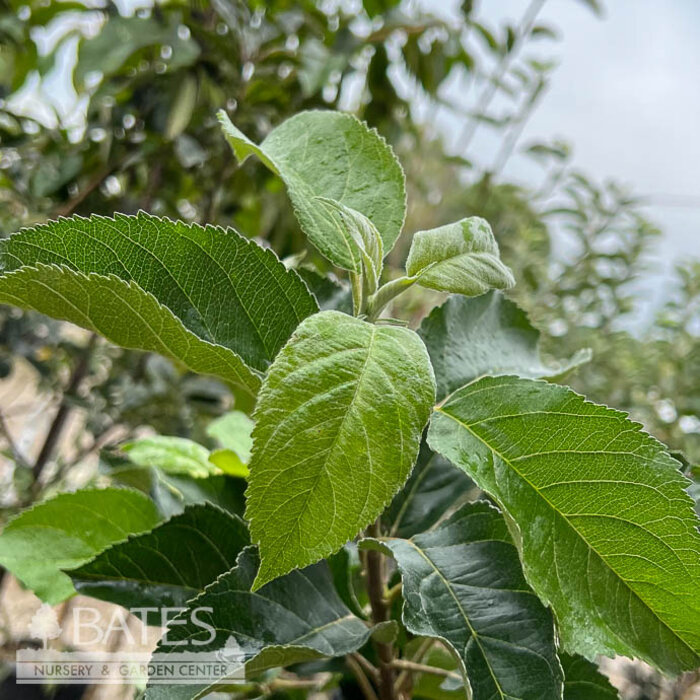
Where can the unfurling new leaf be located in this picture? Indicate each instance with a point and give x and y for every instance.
(338, 424)
(462, 258)
(333, 155)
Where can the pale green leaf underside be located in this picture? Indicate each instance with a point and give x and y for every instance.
(363, 241)
(333, 155)
(224, 288)
(68, 530)
(489, 334)
(607, 533)
(462, 582)
(173, 455)
(462, 258)
(233, 431)
(125, 315)
(338, 425)
(167, 566)
(298, 617)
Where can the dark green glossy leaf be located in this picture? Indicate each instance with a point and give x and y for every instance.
(468, 338)
(583, 680)
(296, 618)
(462, 582)
(123, 314)
(167, 566)
(434, 487)
(223, 288)
(331, 294)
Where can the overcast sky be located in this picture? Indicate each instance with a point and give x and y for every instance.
(626, 95)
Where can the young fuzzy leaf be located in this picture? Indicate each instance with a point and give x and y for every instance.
(333, 155)
(468, 338)
(68, 530)
(296, 618)
(462, 258)
(607, 533)
(223, 288)
(125, 315)
(463, 583)
(337, 428)
(167, 566)
(362, 236)
(583, 680)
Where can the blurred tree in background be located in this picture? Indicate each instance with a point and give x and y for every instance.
(110, 107)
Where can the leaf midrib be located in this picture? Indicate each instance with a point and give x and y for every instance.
(332, 447)
(472, 631)
(590, 547)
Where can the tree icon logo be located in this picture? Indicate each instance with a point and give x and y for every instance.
(44, 625)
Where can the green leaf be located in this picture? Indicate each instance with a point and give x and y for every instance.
(346, 569)
(296, 618)
(489, 334)
(68, 530)
(337, 428)
(463, 583)
(124, 314)
(172, 492)
(378, 7)
(434, 487)
(167, 566)
(583, 680)
(173, 455)
(225, 289)
(233, 431)
(333, 155)
(462, 258)
(607, 534)
(362, 239)
(122, 37)
(229, 463)
(331, 294)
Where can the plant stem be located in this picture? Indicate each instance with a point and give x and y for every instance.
(423, 668)
(12, 445)
(362, 680)
(405, 676)
(380, 613)
(393, 593)
(367, 666)
(54, 433)
(358, 301)
(385, 294)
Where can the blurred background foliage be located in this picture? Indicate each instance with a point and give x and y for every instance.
(143, 82)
